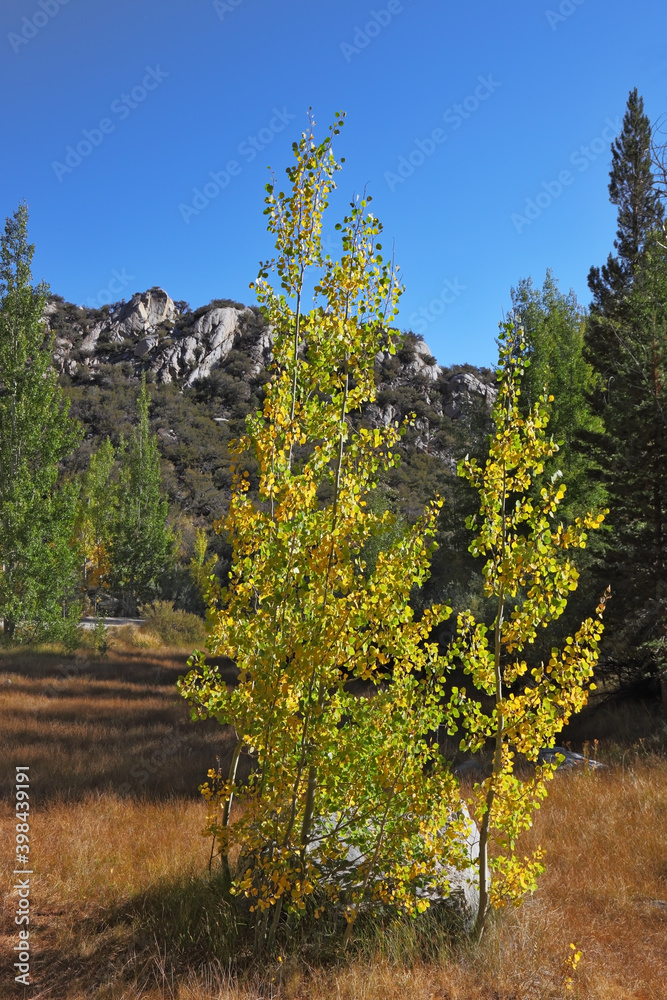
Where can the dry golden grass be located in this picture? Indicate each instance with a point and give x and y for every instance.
(86, 723)
(120, 885)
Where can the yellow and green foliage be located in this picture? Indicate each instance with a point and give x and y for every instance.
(306, 620)
(529, 573)
(349, 801)
(201, 568)
(97, 509)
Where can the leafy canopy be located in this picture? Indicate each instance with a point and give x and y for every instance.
(334, 767)
(529, 573)
(37, 508)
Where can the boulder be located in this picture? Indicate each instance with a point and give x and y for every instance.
(424, 363)
(463, 387)
(462, 900)
(143, 313)
(461, 875)
(478, 768)
(217, 331)
(145, 345)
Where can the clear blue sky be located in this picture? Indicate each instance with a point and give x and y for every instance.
(171, 91)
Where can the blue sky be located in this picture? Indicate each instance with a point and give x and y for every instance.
(460, 117)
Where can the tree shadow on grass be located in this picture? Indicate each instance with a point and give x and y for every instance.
(117, 725)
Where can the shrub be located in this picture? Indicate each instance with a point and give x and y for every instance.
(101, 641)
(175, 628)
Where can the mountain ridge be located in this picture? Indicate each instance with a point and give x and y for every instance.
(207, 368)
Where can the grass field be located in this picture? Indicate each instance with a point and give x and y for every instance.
(122, 905)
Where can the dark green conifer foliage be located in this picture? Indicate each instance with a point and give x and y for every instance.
(626, 341)
(635, 443)
(632, 189)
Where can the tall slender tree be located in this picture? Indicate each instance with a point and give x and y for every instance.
(632, 189)
(626, 342)
(635, 443)
(96, 518)
(529, 573)
(37, 508)
(304, 612)
(141, 542)
(553, 325)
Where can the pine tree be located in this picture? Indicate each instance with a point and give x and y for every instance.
(626, 341)
(632, 189)
(141, 543)
(37, 508)
(635, 469)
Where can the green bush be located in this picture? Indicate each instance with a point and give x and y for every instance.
(175, 628)
(101, 641)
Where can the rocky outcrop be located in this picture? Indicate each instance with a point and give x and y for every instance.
(424, 363)
(157, 335)
(462, 388)
(145, 311)
(143, 314)
(212, 338)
